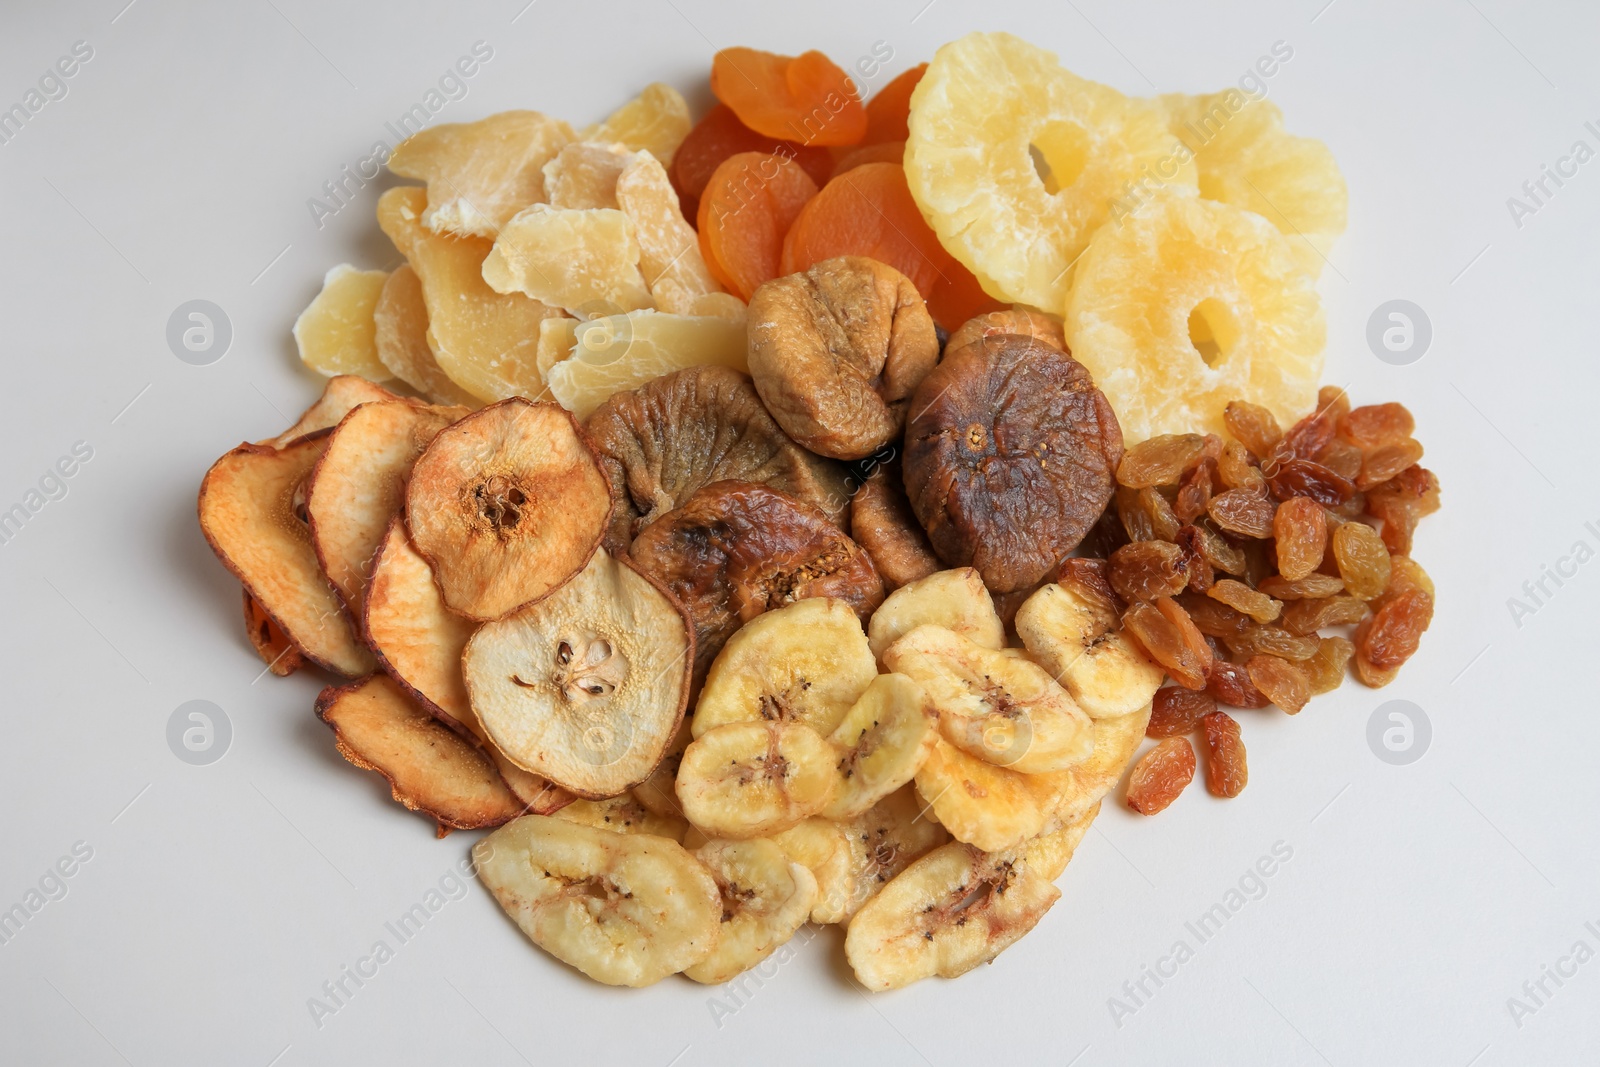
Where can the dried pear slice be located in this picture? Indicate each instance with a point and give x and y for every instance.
(625, 909)
(429, 768)
(951, 910)
(271, 643)
(400, 321)
(506, 505)
(479, 174)
(339, 397)
(807, 662)
(587, 686)
(955, 599)
(750, 779)
(766, 897)
(252, 511)
(419, 642)
(335, 333)
(358, 486)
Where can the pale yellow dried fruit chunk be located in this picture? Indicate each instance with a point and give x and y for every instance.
(766, 897)
(557, 335)
(751, 779)
(656, 121)
(625, 815)
(480, 174)
(669, 251)
(956, 599)
(401, 322)
(615, 353)
(335, 333)
(721, 306)
(584, 175)
(485, 341)
(584, 261)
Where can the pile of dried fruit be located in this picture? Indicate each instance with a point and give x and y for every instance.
(788, 574)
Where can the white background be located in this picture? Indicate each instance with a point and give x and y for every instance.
(1418, 898)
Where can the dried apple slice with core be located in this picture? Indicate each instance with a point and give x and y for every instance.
(335, 333)
(339, 397)
(358, 486)
(429, 768)
(587, 686)
(506, 505)
(400, 320)
(271, 643)
(252, 511)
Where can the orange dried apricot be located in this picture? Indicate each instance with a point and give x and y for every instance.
(882, 152)
(804, 98)
(748, 206)
(720, 135)
(889, 110)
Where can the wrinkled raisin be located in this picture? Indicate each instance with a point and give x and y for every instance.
(1397, 629)
(1213, 617)
(1252, 426)
(1176, 711)
(1195, 493)
(1107, 536)
(1311, 587)
(1236, 468)
(1159, 460)
(1304, 477)
(1170, 638)
(1353, 508)
(1162, 520)
(1300, 533)
(1333, 402)
(1226, 771)
(1400, 502)
(1386, 462)
(1090, 579)
(1243, 511)
(1214, 547)
(1306, 617)
(1372, 676)
(1325, 671)
(1343, 459)
(1306, 439)
(1241, 597)
(1362, 558)
(1372, 426)
(1280, 681)
(1135, 516)
(1230, 684)
(1160, 775)
(1145, 570)
(1404, 573)
(1272, 640)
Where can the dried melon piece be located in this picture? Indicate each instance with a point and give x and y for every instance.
(480, 174)
(252, 511)
(401, 322)
(655, 121)
(584, 175)
(483, 340)
(616, 353)
(342, 393)
(359, 484)
(669, 250)
(577, 260)
(431, 770)
(336, 333)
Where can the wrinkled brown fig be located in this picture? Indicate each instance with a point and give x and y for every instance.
(506, 505)
(271, 643)
(431, 770)
(881, 521)
(665, 440)
(1010, 453)
(990, 327)
(339, 397)
(737, 549)
(836, 352)
(253, 512)
(587, 686)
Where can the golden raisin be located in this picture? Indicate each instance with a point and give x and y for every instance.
(1243, 511)
(1160, 460)
(1387, 461)
(1176, 711)
(1160, 775)
(1195, 492)
(1271, 640)
(1252, 426)
(1362, 559)
(1311, 587)
(1325, 671)
(1396, 629)
(1306, 617)
(1145, 570)
(1226, 771)
(1213, 617)
(1304, 477)
(1241, 597)
(1372, 426)
(1280, 681)
(1170, 638)
(1230, 684)
(1370, 675)
(1300, 531)
(1236, 468)
(1343, 459)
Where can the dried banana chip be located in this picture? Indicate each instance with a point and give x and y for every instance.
(625, 815)
(335, 333)
(765, 898)
(1081, 643)
(1078, 789)
(669, 250)
(568, 258)
(955, 599)
(480, 174)
(882, 741)
(656, 121)
(991, 807)
(401, 323)
(1049, 853)
(625, 909)
(750, 779)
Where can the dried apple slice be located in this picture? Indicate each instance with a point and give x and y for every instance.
(419, 642)
(479, 174)
(485, 341)
(506, 505)
(358, 485)
(429, 768)
(400, 322)
(573, 259)
(271, 643)
(339, 397)
(252, 511)
(335, 331)
(587, 686)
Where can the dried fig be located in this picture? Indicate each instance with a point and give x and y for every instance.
(836, 352)
(1024, 321)
(737, 549)
(662, 442)
(881, 521)
(1010, 451)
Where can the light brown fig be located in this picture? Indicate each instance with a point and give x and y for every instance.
(836, 352)
(988, 328)
(882, 522)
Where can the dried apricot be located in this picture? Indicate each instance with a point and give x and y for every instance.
(1226, 770)
(1145, 570)
(1300, 532)
(1242, 598)
(748, 206)
(1279, 681)
(1325, 671)
(890, 107)
(720, 135)
(804, 98)
(886, 152)
(1160, 775)
(1176, 711)
(1363, 560)
(1243, 511)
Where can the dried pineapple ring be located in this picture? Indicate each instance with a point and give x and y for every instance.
(1189, 304)
(988, 104)
(1246, 158)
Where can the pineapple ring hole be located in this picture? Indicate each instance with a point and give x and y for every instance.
(1059, 151)
(1213, 331)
